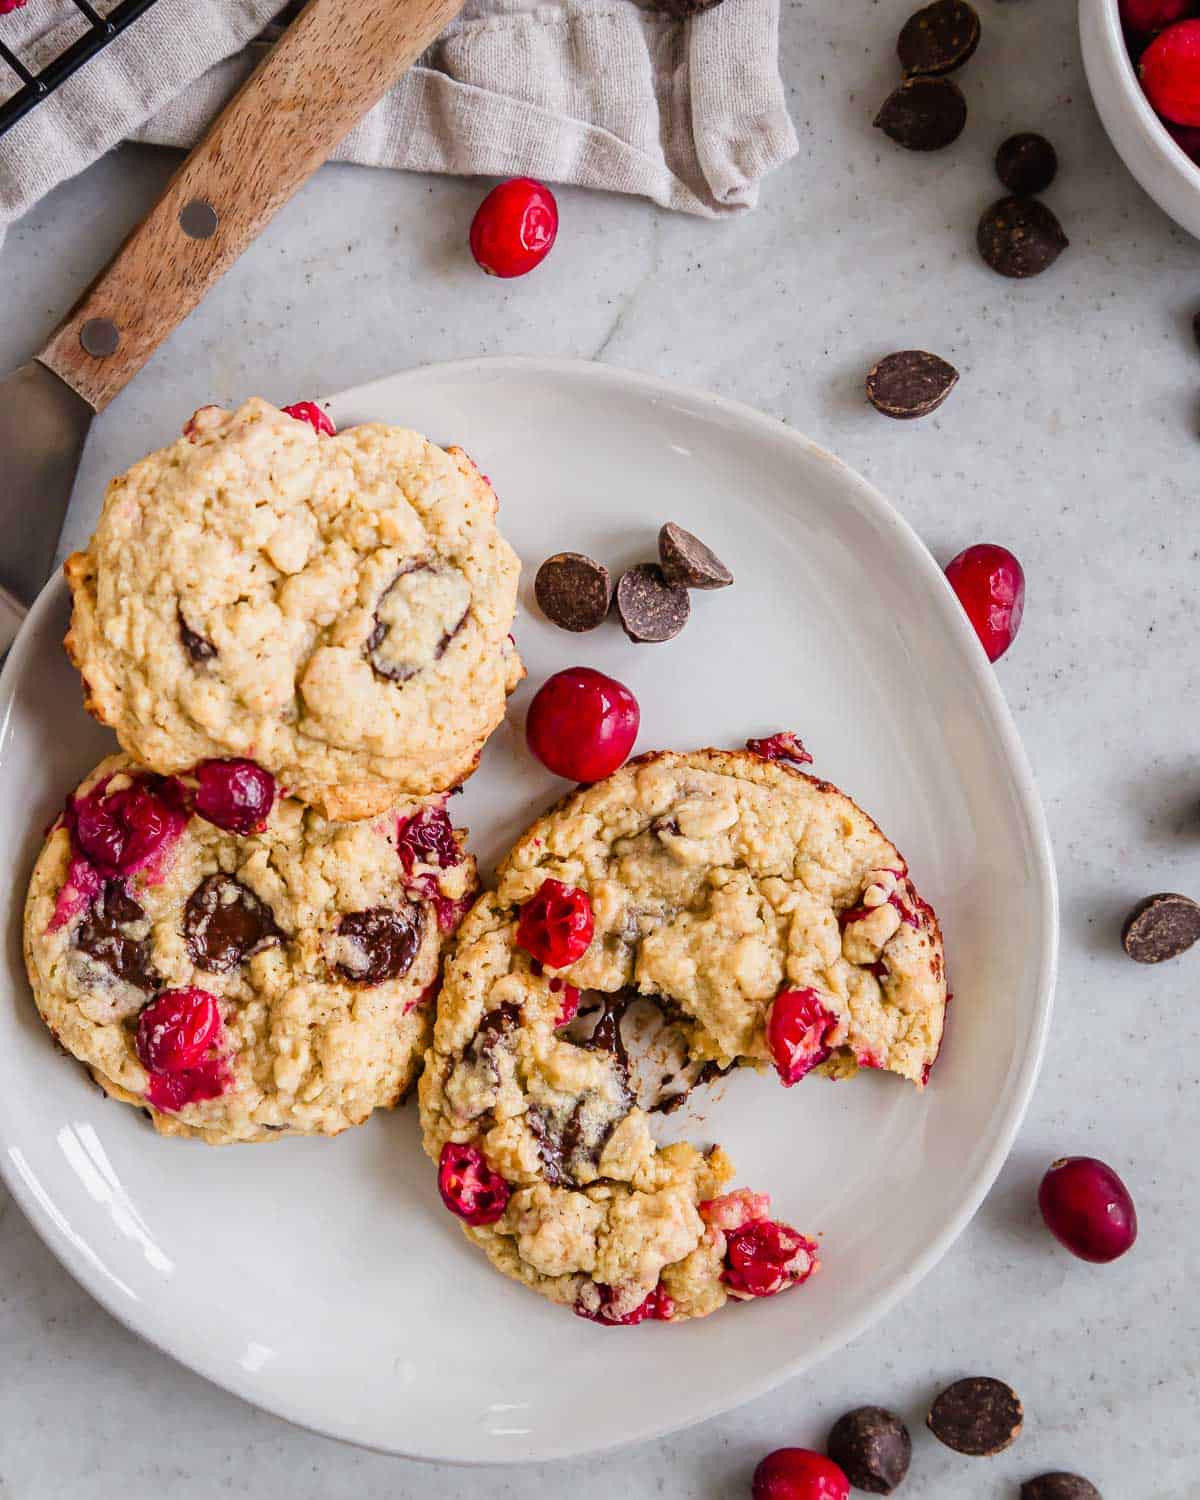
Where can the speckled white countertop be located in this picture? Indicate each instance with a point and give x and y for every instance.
(1072, 438)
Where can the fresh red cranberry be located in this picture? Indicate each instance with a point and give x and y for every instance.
(1088, 1209)
(784, 746)
(1145, 17)
(764, 1256)
(427, 838)
(796, 1032)
(569, 1005)
(1170, 73)
(119, 832)
(236, 795)
(468, 1186)
(582, 724)
(10, 5)
(171, 1091)
(176, 1030)
(514, 227)
(799, 1474)
(598, 1304)
(310, 412)
(990, 584)
(556, 925)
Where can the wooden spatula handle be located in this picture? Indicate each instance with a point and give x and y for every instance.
(331, 65)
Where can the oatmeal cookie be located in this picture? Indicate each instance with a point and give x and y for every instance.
(768, 918)
(233, 962)
(336, 607)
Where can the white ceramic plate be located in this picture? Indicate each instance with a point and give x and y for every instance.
(322, 1279)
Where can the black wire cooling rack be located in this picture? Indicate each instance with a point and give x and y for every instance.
(35, 86)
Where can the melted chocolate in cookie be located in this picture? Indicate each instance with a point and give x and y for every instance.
(421, 611)
(196, 646)
(379, 944)
(225, 922)
(101, 936)
(573, 1140)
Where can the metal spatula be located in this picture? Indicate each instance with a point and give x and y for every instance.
(331, 65)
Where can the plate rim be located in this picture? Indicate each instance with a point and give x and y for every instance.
(921, 560)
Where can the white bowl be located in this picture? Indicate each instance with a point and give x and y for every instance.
(1143, 143)
(322, 1279)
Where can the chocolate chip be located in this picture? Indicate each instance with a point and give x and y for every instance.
(650, 609)
(938, 39)
(910, 383)
(1020, 237)
(378, 944)
(194, 643)
(872, 1447)
(977, 1416)
(419, 614)
(1196, 328)
(683, 9)
(1026, 163)
(101, 936)
(573, 591)
(1060, 1487)
(1160, 927)
(923, 114)
(224, 922)
(687, 563)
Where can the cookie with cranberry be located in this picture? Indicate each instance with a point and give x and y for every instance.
(769, 919)
(336, 606)
(228, 959)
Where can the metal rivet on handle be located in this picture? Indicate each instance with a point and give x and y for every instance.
(100, 337)
(198, 219)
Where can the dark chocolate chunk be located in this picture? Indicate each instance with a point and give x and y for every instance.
(419, 614)
(101, 936)
(573, 591)
(224, 922)
(650, 609)
(687, 563)
(1160, 927)
(379, 944)
(1020, 237)
(872, 1447)
(1196, 328)
(977, 1416)
(194, 643)
(1060, 1487)
(910, 383)
(683, 9)
(923, 114)
(1026, 163)
(938, 39)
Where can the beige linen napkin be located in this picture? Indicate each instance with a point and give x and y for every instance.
(602, 93)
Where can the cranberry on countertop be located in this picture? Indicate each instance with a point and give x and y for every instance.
(1088, 1209)
(469, 1187)
(990, 584)
(310, 412)
(514, 227)
(799, 1474)
(582, 724)
(556, 925)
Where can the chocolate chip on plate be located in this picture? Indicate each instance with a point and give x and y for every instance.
(687, 563)
(1026, 163)
(910, 383)
(977, 1416)
(923, 114)
(1160, 927)
(1020, 237)
(1060, 1487)
(938, 39)
(573, 591)
(872, 1447)
(650, 608)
